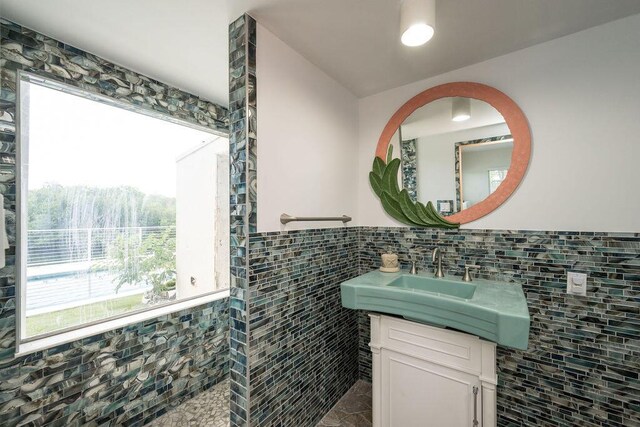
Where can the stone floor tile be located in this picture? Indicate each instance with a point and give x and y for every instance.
(210, 408)
(352, 410)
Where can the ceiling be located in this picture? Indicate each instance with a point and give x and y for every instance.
(184, 43)
(435, 119)
(500, 145)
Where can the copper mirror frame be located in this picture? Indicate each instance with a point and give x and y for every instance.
(514, 118)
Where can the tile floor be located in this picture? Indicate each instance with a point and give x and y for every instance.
(208, 409)
(211, 409)
(352, 410)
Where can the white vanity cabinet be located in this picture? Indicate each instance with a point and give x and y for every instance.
(429, 376)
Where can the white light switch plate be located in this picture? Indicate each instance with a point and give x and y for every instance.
(576, 283)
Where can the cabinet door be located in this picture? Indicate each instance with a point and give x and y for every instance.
(416, 393)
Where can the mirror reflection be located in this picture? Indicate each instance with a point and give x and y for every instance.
(455, 152)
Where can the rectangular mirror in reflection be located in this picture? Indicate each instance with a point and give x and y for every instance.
(454, 160)
(119, 211)
(481, 166)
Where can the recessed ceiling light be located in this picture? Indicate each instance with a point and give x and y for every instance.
(417, 21)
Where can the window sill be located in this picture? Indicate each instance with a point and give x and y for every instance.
(109, 325)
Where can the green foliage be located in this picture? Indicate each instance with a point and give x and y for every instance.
(390, 179)
(375, 176)
(150, 260)
(56, 207)
(421, 210)
(158, 264)
(393, 208)
(408, 207)
(435, 216)
(157, 210)
(376, 183)
(398, 204)
(378, 166)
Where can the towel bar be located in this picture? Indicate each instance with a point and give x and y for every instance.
(284, 218)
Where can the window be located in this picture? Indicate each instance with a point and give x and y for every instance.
(119, 211)
(495, 179)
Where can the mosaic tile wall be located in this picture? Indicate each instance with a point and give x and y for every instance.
(364, 337)
(583, 360)
(242, 152)
(129, 374)
(27, 50)
(303, 345)
(409, 158)
(124, 377)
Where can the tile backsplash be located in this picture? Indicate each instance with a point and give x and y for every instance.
(583, 360)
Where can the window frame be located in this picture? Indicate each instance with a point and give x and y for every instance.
(25, 345)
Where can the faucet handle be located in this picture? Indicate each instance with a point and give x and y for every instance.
(414, 270)
(467, 275)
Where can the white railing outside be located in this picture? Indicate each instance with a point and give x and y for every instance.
(72, 245)
(72, 267)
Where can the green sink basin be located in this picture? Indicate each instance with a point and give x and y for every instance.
(492, 310)
(431, 284)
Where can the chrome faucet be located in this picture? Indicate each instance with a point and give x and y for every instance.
(437, 254)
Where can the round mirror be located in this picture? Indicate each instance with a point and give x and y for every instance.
(464, 147)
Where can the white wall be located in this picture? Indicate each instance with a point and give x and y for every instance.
(581, 95)
(202, 218)
(475, 171)
(436, 160)
(307, 139)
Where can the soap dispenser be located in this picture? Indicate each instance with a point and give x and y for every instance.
(390, 263)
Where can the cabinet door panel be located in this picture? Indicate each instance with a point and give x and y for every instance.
(446, 347)
(416, 393)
